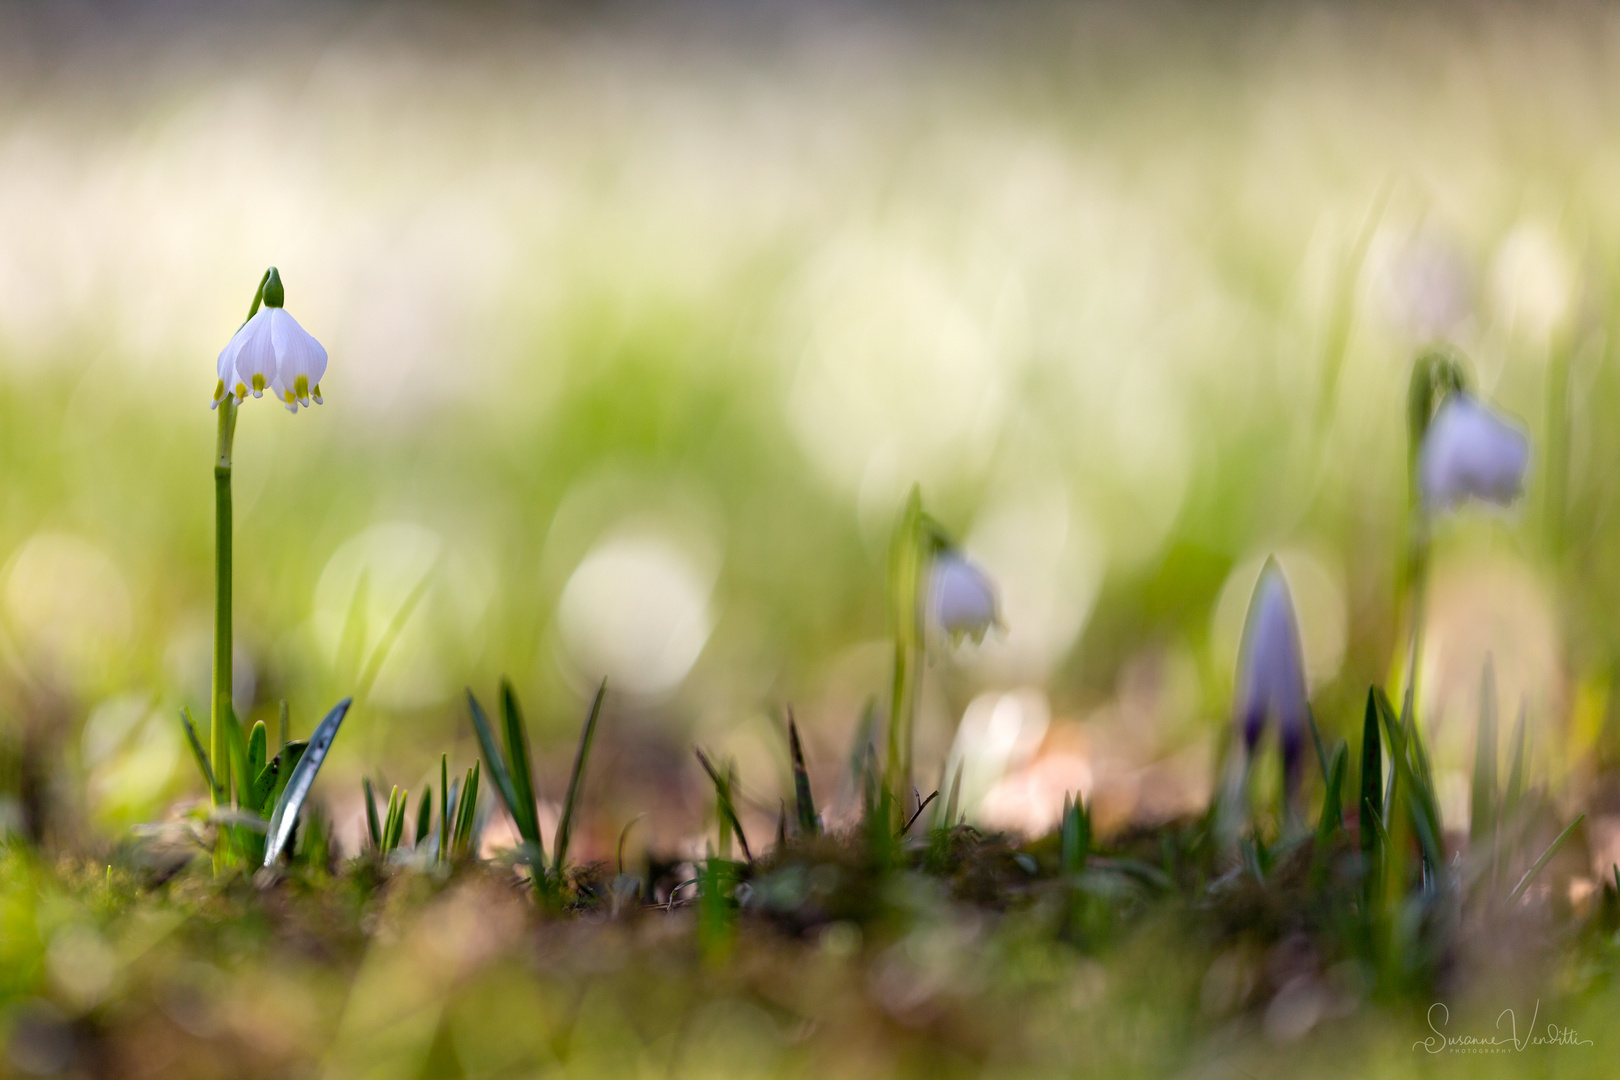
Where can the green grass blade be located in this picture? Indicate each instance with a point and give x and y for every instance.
(300, 780)
(1419, 754)
(1546, 857)
(355, 624)
(624, 834)
(444, 807)
(198, 754)
(284, 731)
(495, 760)
(861, 746)
(953, 801)
(424, 816)
(265, 782)
(373, 829)
(258, 749)
(1333, 799)
(1076, 839)
(1482, 800)
(518, 761)
(1515, 783)
(1377, 822)
(390, 637)
(565, 823)
(1316, 741)
(236, 746)
(1372, 784)
(390, 837)
(465, 812)
(804, 802)
(1416, 792)
(728, 812)
(1385, 715)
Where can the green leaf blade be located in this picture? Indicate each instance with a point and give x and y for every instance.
(1482, 796)
(803, 800)
(300, 780)
(559, 848)
(518, 762)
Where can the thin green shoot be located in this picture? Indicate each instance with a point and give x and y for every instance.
(726, 809)
(373, 826)
(804, 803)
(1546, 857)
(565, 822)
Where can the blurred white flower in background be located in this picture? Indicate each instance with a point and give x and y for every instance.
(961, 597)
(999, 735)
(1471, 452)
(636, 611)
(1430, 287)
(1532, 281)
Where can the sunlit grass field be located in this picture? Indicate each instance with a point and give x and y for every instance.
(643, 322)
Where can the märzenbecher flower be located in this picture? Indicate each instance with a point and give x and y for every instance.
(272, 352)
(1470, 451)
(962, 596)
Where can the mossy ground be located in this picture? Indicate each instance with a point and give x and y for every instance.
(956, 954)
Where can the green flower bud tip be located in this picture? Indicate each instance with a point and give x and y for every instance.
(274, 294)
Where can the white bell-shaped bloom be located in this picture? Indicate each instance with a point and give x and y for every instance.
(247, 363)
(1470, 451)
(300, 361)
(962, 596)
(272, 352)
(1271, 670)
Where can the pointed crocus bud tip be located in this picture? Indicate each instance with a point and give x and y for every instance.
(1271, 667)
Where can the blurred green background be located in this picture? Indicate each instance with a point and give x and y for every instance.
(643, 320)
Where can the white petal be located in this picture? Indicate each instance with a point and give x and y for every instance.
(964, 600)
(298, 354)
(1471, 452)
(226, 367)
(255, 355)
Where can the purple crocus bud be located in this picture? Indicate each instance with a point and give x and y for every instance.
(963, 596)
(1471, 452)
(1271, 669)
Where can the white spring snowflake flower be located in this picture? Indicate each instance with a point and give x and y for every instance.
(1271, 671)
(272, 352)
(1471, 452)
(962, 596)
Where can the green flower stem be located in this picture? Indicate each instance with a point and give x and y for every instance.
(1436, 374)
(906, 565)
(220, 715)
(1417, 585)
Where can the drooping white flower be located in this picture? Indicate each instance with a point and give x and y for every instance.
(962, 596)
(1470, 451)
(272, 352)
(1271, 671)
